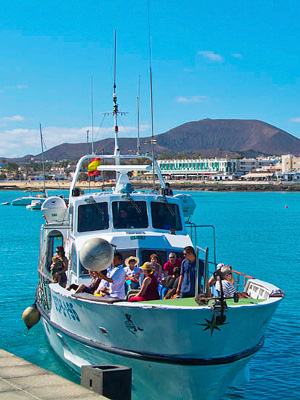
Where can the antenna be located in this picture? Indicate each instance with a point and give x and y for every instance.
(87, 141)
(138, 117)
(43, 160)
(153, 141)
(115, 112)
(92, 111)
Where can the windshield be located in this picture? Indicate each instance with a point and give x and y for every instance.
(130, 214)
(166, 216)
(93, 217)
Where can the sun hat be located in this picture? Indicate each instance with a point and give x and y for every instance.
(226, 270)
(147, 266)
(136, 260)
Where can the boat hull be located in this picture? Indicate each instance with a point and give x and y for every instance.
(26, 201)
(201, 356)
(150, 380)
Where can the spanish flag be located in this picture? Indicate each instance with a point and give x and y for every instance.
(92, 167)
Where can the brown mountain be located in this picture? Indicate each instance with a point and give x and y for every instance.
(207, 137)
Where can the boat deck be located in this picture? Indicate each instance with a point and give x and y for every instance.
(190, 302)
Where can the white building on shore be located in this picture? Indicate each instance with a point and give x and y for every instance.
(213, 168)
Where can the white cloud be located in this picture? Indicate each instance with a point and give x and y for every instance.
(21, 87)
(16, 87)
(237, 55)
(14, 118)
(297, 119)
(20, 142)
(193, 99)
(210, 55)
(189, 70)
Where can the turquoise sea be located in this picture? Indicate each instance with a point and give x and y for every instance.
(257, 233)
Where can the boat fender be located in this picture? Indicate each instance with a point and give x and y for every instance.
(31, 316)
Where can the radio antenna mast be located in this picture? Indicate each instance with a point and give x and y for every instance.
(138, 117)
(153, 141)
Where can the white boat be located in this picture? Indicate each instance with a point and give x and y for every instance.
(26, 200)
(35, 204)
(178, 349)
(202, 347)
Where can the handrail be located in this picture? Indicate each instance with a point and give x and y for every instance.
(246, 277)
(193, 225)
(101, 156)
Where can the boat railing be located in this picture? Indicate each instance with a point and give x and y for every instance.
(43, 296)
(193, 235)
(116, 158)
(209, 268)
(241, 280)
(199, 289)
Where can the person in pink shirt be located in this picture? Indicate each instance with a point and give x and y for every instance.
(171, 264)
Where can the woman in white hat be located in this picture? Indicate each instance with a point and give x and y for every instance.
(149, 289)
(132, 273)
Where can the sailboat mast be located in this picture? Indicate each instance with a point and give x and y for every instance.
(92, 113)
(138, 117)
(115, 112)
(43, 160)
(151, 97)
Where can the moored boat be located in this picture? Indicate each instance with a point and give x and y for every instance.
(184, 348)
(35, 205)
(27, 200)
(204, 346)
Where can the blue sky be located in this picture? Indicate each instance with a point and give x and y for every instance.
(210, 59)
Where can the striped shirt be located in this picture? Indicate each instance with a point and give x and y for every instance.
(228, 288)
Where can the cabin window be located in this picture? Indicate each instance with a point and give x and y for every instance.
(54, 239)
(165, 216)
(93, 217)
(130, 214)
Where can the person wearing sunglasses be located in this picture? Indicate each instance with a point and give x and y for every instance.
(187, 279)
(171, 264)
(227, 286)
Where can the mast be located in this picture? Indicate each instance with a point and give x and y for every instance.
(87, 141)
(153, 141)
(138, 117)
(115, 112)
(92, 112)
(43, 159)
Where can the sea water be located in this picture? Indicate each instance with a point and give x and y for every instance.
(257, 233)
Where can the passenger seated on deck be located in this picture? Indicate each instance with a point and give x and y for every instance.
(227, 286)
(149, 289)
(212, 279)
(157, 268)
(132, 273)
(116, 272)
(59, 267)
(170, 283)
(96, 276)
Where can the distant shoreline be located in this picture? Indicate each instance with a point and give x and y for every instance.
(176, 185)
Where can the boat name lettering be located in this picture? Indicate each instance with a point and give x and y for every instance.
(65, 308)
(136, 237)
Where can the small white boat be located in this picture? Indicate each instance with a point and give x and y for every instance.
(6, 203)
(26, 200)
(35, 205)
